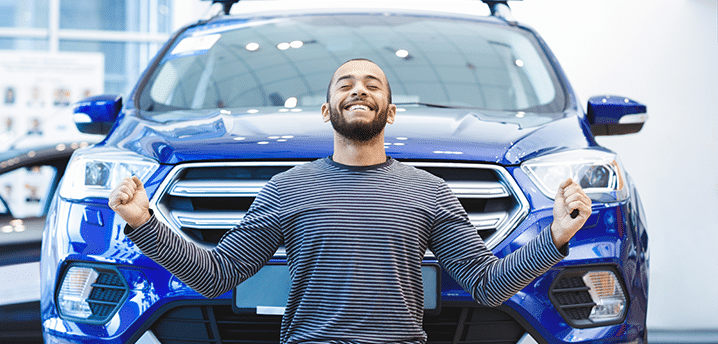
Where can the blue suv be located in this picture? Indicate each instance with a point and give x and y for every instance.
(230, 101)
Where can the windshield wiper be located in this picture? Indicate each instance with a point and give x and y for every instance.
(432, 105)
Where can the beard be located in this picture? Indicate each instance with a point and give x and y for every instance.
(358, 131)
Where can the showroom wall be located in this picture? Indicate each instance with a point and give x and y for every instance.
(665, 57)
(56, 52)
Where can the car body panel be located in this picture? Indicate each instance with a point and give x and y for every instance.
(303, 135)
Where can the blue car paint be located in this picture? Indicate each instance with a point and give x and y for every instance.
(604, 241)
(500, 142)
(153, 287)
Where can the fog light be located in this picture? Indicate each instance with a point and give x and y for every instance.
(91, 293)
(589, 297)
(75, 289)
(608, 295)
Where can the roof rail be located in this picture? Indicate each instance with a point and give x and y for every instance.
(500, 9)
(226, 4)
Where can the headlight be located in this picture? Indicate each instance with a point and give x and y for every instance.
(599, 173)
(96, 174)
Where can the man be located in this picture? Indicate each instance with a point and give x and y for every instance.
(355, 226)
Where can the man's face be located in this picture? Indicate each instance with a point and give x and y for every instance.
(359, 105)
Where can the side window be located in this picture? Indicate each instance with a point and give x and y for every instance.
(26, 191)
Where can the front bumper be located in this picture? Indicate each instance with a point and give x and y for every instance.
(158, 305)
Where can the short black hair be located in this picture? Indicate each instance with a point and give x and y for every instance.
(331, 81)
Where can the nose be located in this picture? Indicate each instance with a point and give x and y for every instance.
(359, 90)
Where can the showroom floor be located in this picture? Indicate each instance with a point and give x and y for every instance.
(682, 337)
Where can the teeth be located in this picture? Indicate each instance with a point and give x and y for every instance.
(358, 107)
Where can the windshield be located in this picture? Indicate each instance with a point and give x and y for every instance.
(289, 62)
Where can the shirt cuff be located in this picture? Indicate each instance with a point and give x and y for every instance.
(145, 235)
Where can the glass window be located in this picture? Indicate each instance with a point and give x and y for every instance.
(118, 77)
(24, 14)
(116, 15)
(459, 63)
(25, 194)
(124, 60)
(114, 52)
(22, 44)
(93, 15)
(27, 191)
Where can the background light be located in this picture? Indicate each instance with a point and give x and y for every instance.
(252, 46)
(402, 53)
(290, 102)
(283, 46)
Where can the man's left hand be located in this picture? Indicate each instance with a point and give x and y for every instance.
(569, 197)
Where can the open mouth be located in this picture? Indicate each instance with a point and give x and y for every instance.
(357, 107)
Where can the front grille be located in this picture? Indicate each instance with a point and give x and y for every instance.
(219, 324)
(215, 324)
(469, 325)
(201, 201)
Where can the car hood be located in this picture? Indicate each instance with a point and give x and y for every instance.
(418, 133)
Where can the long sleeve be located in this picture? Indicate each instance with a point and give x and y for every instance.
(490, 280)
(240, 253)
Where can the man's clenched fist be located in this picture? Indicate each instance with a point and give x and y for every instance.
(569, 197)
(129, 200)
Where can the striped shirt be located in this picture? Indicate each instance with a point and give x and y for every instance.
(355, 238)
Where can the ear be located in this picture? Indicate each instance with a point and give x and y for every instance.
(391, 114)
(325, 113)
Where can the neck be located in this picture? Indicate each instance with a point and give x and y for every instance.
(352, 153)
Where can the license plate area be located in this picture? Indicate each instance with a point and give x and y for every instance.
(266, 292)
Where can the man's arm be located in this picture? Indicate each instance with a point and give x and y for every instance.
(239, 255)
(491, 280)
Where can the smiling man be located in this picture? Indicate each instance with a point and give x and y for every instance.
(359, 107)
(355, 226)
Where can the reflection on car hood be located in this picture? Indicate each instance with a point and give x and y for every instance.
(419, 133)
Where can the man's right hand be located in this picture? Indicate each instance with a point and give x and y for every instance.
(129, 200)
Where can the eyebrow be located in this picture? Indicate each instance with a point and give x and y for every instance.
(350, 76)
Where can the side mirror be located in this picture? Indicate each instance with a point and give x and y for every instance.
(96, 115)
(614, 115)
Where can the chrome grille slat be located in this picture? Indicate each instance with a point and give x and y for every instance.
(208, 219)
(217, 188)
(243, 188)
(478, 189)
(228, 220)
(487, 220)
